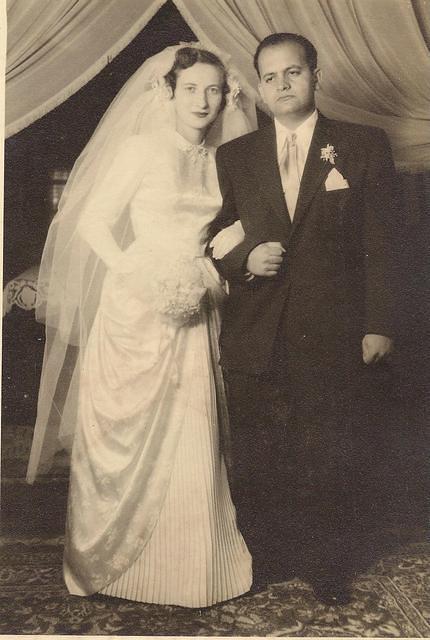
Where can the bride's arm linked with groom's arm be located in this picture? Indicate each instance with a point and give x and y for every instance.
(240, 257)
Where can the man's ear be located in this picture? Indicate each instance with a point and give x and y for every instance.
(317, 76)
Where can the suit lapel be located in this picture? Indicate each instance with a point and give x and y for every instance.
(316, 170)
(264, 164)
(266, 170)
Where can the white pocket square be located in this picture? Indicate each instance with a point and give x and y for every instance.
(335, 180)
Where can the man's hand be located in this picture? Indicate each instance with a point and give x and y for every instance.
(265, 259)
(376, 347)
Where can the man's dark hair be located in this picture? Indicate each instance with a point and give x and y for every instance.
(279, 38)
(188, 57)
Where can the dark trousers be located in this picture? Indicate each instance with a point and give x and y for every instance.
(300, 448)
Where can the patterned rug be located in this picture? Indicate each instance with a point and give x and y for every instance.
(390, 599)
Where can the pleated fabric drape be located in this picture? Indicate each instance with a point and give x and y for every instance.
(54, 47)
(374, 54)
(374, 57)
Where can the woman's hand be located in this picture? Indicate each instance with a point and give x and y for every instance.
(124, 271)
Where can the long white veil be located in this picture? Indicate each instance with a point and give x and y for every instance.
(71, 275)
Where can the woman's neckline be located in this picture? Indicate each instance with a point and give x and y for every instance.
(185, 144)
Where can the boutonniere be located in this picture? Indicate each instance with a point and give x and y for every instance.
(328, 153)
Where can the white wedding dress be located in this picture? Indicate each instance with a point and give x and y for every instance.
(150, 517)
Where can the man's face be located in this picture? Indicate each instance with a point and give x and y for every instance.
(287, 84)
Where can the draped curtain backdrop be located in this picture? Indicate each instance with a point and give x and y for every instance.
(374, 54)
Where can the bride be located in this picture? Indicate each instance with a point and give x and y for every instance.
(130, 373)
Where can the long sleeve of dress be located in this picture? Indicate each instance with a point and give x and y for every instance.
(109, 198)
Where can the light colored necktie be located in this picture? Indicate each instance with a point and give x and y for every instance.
(289, 171)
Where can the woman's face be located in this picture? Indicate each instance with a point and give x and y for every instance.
(197, 99)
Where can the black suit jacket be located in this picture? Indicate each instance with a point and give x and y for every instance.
(340, 275)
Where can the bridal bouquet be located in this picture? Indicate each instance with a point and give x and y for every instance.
(178, 289)
(168, 281)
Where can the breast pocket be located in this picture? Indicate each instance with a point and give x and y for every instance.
(336, 198)
(334, 207)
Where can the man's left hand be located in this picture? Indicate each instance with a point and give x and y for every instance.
(376, 347)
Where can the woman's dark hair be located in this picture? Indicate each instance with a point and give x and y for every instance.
(187, 57)
(279, 38)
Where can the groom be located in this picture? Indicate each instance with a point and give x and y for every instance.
(310, 319)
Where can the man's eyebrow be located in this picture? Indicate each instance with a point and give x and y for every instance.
(293, 66)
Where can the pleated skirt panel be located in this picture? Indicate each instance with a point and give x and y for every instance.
(196, 556)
